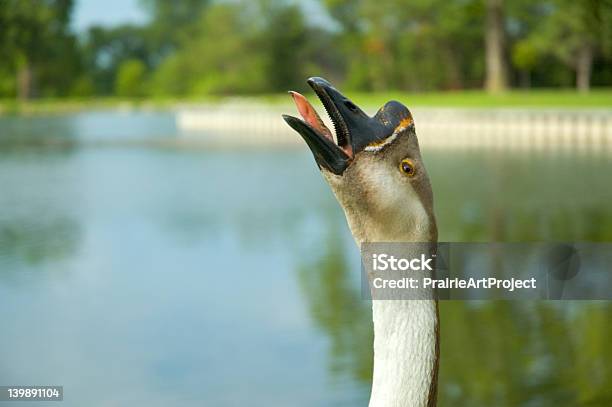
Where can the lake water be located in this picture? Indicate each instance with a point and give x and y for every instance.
(137, 273)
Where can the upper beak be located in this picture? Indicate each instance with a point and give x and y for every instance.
(354, 129)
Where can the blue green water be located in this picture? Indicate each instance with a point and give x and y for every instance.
(135, 273)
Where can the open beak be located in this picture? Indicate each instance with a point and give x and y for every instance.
(354, 130)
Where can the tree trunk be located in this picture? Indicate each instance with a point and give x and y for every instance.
(25, 81)
(496, 80)
(583, 68)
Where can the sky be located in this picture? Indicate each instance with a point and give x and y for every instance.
(106, 12)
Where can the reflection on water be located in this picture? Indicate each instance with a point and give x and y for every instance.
(89, 126)
(230, 278)
(34, 243)
(336, 307)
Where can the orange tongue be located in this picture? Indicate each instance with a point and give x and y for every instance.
(310, 115)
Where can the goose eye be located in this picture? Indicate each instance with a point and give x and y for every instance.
(407, 167)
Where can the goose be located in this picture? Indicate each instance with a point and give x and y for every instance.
(376, 173)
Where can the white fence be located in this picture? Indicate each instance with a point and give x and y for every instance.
(529, 129)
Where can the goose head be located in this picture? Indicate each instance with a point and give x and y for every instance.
(373, 165)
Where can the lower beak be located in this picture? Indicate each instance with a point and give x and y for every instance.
(326, 152)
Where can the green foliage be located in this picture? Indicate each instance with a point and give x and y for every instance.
(220, 58)
(131, 79)
(571, 25)
(170, 78)
(29, 24)
(424, 46)
(524, 55)
(37, 46)
(570, 31)
(205, 47)
(286, 48)
(83, 87)
(7, 82)
(105, 49)
(172, 21)
(231, 52)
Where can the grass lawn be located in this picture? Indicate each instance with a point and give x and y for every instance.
(598, 98)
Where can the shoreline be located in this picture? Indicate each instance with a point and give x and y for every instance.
(540, 98)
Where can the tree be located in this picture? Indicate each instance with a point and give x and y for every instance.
(222, 56)
(496, 73)
(106, 49)
(575, 32)
(432, 44)
(243, 47)
(32, 34)
(284, 38)
(172, 22)
(131, 79)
